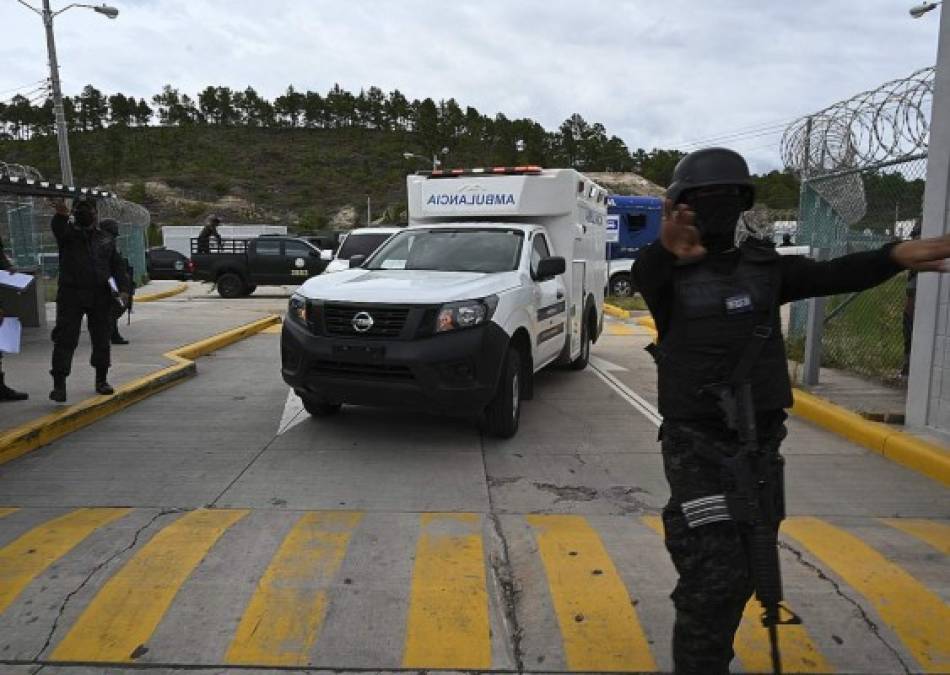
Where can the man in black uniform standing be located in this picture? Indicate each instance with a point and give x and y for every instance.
(87, 260)
(209, 231)
(711, 300)
(112, 227)
(6, 393)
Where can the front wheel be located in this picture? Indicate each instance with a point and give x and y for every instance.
(250, 289)
(504, 412)
(318, 407)
(621, 286)
(584, 357)
(230, 285)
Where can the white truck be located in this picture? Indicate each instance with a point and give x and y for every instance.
(500, 273)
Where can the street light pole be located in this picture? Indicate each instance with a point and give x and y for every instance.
(65, 163)
(47, 14)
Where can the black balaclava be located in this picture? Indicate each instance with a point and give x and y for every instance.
(716, 218)
(85, 215)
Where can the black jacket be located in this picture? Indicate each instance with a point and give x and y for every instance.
(87, 257)
(657, 273)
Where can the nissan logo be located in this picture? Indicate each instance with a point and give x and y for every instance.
(362, 322)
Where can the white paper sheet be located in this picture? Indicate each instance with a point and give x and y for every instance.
(15, 280)
(10, 331)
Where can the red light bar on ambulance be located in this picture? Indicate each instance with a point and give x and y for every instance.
(485, 171)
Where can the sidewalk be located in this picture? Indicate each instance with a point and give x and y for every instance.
(869, 398)
(156, 328)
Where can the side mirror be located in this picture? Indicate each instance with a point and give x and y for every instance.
(357, 260)
(326, 255)
(548, 268)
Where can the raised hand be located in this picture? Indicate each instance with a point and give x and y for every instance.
(59, 205)
(924, 255)
(678, 235)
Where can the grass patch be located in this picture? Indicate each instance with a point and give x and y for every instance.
(866, 336)
(633, 303)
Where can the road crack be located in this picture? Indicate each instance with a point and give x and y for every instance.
(862, 613)
(94, 571)
(503, 573)
(501, 566)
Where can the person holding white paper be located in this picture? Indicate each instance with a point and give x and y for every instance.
(6, 393)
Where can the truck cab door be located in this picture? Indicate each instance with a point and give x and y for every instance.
(550, 305)
(301, 261)
(266, 261)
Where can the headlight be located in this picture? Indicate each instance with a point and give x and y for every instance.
(297, 308)
(465, 314)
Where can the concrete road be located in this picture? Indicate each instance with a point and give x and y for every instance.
(216, 525)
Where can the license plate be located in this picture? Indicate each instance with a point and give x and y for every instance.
(360, 352)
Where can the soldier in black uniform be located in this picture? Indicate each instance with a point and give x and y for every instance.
(6, 393)
(710, 299)
(208, 232)
(87, 259)
(112, 227)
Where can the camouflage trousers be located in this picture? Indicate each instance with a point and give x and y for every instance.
(715, 580)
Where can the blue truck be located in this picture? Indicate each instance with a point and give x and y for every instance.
(632, 223)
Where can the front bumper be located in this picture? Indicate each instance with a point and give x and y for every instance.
(451, 373)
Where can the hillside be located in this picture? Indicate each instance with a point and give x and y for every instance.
(309, 178)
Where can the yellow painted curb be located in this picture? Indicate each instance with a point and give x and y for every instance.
(615, 311)
(915, 453)
(43, 430)
(647, 322)
(152, 297)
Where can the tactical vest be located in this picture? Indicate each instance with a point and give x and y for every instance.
(714, 317)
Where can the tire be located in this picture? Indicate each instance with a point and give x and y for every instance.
(621, 286)
(230, 285)
(584, 358)
(318, 407)
(249, 290)
(504, 412)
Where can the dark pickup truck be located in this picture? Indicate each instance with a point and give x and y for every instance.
(239, 266)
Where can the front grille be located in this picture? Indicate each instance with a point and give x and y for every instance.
(366, 371)
(387, 321)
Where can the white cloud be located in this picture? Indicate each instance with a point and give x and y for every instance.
(656, 74)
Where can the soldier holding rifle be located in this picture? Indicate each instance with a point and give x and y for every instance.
(723, 389)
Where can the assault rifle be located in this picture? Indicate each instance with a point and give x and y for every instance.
(755, 496)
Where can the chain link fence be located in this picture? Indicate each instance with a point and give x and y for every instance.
(847, 212)
(862, 164)
(25, 228)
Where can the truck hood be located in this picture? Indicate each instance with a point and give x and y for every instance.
(406, 286)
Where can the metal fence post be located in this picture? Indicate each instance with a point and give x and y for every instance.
(814, 330)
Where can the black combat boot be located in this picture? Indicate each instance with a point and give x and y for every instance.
(59, 390)
(102, 385)
(7, 394)
(117, 339)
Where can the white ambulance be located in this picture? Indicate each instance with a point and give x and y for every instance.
(500, 273)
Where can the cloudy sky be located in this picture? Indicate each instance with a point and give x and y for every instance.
(658, 73)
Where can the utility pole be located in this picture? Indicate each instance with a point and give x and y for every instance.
(65, 163)
(47, 14)
(369, 212)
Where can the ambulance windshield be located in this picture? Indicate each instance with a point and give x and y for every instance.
(446, 250)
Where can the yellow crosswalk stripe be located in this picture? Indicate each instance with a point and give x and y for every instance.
(128, 608)
(448, 609)
(7, 510)
(599, 626)
(26, 557)
(284, 617)
(918, 616)
(620, 329)
(799, 652)
(932, 532)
